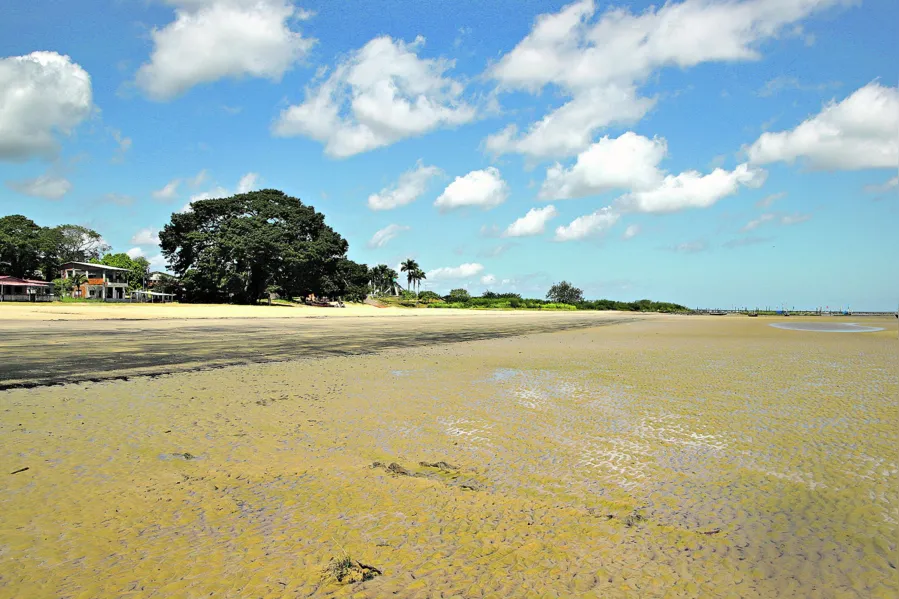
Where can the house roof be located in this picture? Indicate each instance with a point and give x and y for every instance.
(92, 266)
(17, 282)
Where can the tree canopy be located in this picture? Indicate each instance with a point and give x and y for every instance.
(565, 293)
(235, 249)
(29, 250)
(138, 268)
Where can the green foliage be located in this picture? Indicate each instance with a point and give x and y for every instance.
(515, 302)
(407, 295)
(26, 248)
(429, 297)
(458, 295)
(232, 249)
(20, 246)
(138, 268)
(383, 279)
(62, 287)
(409, 266)
(565, 293)
(348, 280)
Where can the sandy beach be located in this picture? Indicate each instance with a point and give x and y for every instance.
(478, 455)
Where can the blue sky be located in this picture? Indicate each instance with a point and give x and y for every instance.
(713, 153)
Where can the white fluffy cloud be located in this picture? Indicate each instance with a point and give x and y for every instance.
(41, 94)
(588, 225)
(448, 273)
(608, 58)
(213, 39)
(168, 192)
(631, 232)
(691, 189)
(247, 183)
(484, 188)
(570, 128)
(860, 132)
(410, 186)
(146, 236)
(135, 252)
(380, 238)
(49, 187)
(629, 161)
(532, 223)
(488, 280)
(380, 94)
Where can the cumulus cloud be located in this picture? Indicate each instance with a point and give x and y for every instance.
(631, 162)
(631, 232)
(860, 132)
(599, 63)
(41, 94)
(380, 238)
(146, 236)
(244, 185)
(378, 95)
(488, 280)
(691, 189)
(484, 188)
(448, 273)
(247, 183)
(168, 192)
(532, 223)
(626, 162)
(135, 253)
(48, 187)
(588, 225)
(410, 186)
(571, 128)
(214, 39)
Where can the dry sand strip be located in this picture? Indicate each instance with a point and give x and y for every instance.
(52, 352)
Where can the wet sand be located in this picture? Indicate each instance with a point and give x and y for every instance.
(666, 457)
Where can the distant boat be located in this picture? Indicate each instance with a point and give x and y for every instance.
(718, 313)
(752, 314)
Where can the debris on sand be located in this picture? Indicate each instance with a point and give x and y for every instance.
(633, 519)
(346, 570)
(598, 513)
(446, 467)
(393, 468)
(714, 531)
(21, 470)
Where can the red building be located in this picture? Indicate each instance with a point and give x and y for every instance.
(14, 289)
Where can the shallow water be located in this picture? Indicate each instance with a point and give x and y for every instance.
(826, 327)
(587, 464)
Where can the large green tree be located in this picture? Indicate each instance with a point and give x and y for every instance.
(21, 245)
(138, 268)
(234, 249)
(565, 293)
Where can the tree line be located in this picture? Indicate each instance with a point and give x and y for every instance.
(249, 247)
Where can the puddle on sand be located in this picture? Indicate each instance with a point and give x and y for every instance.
(825, 327)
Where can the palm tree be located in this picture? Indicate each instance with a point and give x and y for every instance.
(409, 266)
(78, 279)
(419, 277)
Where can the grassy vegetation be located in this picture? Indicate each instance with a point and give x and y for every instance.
(508, 301)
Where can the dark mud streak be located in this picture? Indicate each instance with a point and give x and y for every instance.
(61, 354)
